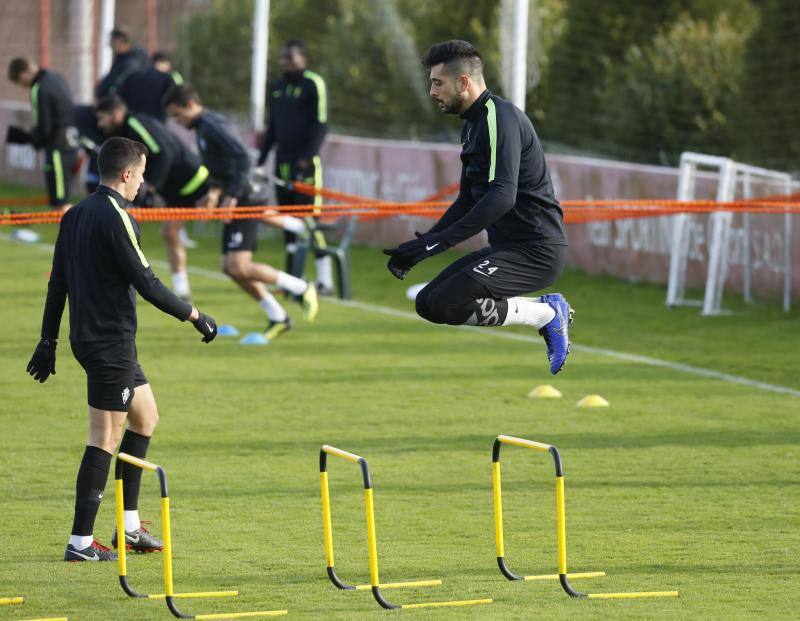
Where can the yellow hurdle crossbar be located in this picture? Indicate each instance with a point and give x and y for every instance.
(10, 601)
(375, 584)
(169, 593)
(561, 527)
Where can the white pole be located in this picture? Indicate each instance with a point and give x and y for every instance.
(107, 8)
(519, 60)
(258, 77)
(80, 47)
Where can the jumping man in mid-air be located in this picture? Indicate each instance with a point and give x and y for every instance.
(505, 190)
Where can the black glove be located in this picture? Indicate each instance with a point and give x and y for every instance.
(17, 135)
(423, 247)
(398, 268)
(43, 361)
(206, 326)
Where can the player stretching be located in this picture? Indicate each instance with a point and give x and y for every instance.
(98, 264)
(506, 190)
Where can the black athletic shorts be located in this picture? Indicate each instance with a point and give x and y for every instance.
(241, 235)
(508, 271)
(174, 198)
(112, 373)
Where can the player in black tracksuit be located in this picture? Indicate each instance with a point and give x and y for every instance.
(99, 266)
(173, 171)
(128, 58)
(297, 125)
(144, 89)
(229, 166)
(53, 126)
(506, 191)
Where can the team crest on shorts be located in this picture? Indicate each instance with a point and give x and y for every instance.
(125, 394)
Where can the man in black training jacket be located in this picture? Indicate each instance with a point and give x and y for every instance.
(53, 126)
(506, 191)
(98, 264)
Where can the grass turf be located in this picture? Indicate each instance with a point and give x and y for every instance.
(684, 483)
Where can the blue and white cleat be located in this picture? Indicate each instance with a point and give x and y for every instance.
(556, 333)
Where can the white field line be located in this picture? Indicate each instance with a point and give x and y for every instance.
(511, 336)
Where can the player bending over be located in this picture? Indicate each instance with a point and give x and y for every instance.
(505, 190)
(99, 266)
(227, 160)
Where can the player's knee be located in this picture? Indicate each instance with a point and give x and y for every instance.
(234, 269)
(422, 305)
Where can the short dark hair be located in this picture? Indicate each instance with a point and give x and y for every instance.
(122, 33)
(117, 154)
(109, 103)
(17, 67)
(181, 96)
(299, 44)
(458, 57)
(160, 56)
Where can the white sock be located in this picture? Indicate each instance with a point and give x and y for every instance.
(132, 522)
(79, 542)
(273, 308)
(293, 225)
(292, 284)
(180, 283)
(526, 312)
(324, 267)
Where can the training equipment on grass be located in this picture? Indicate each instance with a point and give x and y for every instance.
(545, 391)
(169, 594)
(561, 526)
(593, 401)
(8, 601)
(227, 330)
(375, 584)
(254, 338)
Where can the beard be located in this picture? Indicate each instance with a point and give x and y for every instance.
(451, 106)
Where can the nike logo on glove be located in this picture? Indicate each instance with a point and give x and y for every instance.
(210, 329)
(429, 248)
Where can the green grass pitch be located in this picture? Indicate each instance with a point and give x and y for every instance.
(686, 482)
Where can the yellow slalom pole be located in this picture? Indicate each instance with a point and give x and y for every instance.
(498, 509)
(327, 530)
(240, 615)
(374, 578)
(632, 595)
(122, 558)
(8, 601)
(585, 574)
(400, 585)
(561, 526)
(463, 602)
(167, 534)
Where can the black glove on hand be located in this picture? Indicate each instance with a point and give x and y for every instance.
(17, 135)
(412, 252)
(43, 361)
(398, 268)
(206, 326)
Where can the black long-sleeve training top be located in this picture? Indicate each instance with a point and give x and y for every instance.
(505, 186)
(171, 165)
(298, 116)
(122, 66)
(99, 265)
(53, 112)
(144, 89)
(223, 153)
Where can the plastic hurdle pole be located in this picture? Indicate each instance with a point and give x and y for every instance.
(9, 601)
(375, 584)
(561, 526)
(169, 593)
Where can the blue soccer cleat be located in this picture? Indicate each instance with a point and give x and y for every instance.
(556, 333)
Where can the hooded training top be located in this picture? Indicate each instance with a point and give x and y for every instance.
(172, 168)
(505, 187)
(298, 116)
(99, 265)
(53, 113)
(223, 153)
